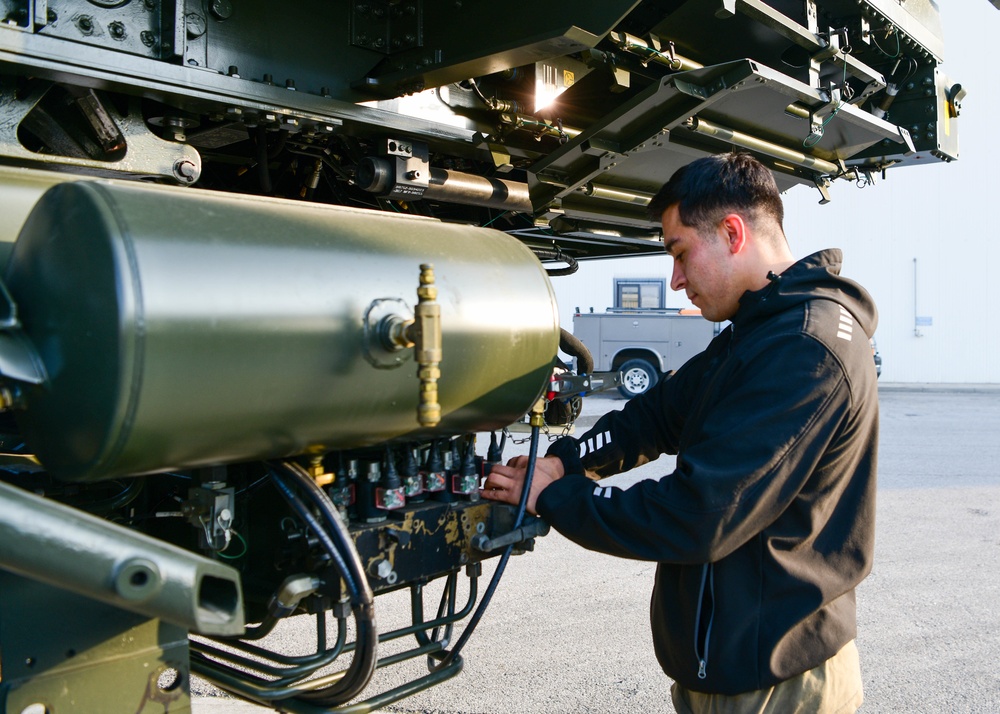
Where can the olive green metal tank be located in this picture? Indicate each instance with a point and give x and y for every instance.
(176, 328)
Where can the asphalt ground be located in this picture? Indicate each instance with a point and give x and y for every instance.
(568, 630)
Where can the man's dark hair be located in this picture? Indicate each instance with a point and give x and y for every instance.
(710, 187)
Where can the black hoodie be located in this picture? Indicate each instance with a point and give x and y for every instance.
(767, 524)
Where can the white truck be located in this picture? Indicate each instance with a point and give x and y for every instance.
(643, 345)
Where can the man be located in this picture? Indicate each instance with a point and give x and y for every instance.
(766, 526)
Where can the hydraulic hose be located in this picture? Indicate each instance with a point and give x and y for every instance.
(522, 507)
(572, 345)
(260, 630)
(336, 541)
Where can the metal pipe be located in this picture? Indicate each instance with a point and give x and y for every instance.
(472, 190)
(640, 198)
(538, 126)
(639, 46)
(287, 676)
(291, 698)
(72, 550)
(290, 678)
(385, 698)
(738, 138)
(799, 111)
(290, 662)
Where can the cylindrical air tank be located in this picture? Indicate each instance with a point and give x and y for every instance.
(177, 328)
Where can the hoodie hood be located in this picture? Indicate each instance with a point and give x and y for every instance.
(815, 277)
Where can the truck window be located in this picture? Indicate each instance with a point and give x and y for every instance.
(640, 293)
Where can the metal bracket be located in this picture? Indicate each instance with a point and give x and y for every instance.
(823, 185)
(147, 155)
(569, 384)
(210, 509)
(412, 160)
(31, 17)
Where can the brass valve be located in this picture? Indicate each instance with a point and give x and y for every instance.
(423, 333)
(427, 350)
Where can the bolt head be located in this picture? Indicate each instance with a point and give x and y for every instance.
(186, 171)
(195, 25)
(221, 9)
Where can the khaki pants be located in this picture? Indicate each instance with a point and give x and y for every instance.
(833, 687)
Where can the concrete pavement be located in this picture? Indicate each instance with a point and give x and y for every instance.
(568, 632)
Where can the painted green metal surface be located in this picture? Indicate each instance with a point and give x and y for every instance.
(69, 549)
(69, 654)
(181, 328)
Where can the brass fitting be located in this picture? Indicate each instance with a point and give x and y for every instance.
(537, 417)
(318, 473)
(425, 333)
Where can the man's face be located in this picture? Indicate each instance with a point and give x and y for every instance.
(703, 266)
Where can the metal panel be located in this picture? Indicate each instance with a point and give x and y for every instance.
(631, 144)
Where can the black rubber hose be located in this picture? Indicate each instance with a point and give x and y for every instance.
(337, 543)
(260, 630)
(571, 265)
(572, 345)
(522, 508)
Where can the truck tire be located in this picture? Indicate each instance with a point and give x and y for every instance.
(638, 376)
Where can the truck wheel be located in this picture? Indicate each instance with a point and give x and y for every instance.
(638, 376)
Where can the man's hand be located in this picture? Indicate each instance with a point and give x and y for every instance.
(506, 482)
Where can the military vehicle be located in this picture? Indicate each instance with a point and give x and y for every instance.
(269, 269)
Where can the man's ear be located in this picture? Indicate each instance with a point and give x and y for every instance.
(736, 232)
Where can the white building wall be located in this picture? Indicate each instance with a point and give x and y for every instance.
(923, 241)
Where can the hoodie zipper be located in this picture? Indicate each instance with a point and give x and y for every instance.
(701, 648)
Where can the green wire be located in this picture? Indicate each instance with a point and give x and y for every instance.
(500, 216)
(822, 127)
(238, 555)
(879, 47)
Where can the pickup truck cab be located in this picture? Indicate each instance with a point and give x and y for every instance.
(644, 345)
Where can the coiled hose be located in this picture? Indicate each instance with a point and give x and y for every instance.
(292, 481)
